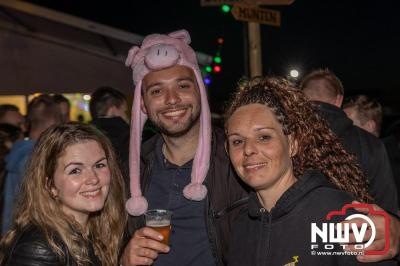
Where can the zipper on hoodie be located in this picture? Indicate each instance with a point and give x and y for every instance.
(260, 251)
(268, 240)
(264, 245)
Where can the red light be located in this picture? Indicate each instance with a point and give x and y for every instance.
(220, 40)
(217, 69)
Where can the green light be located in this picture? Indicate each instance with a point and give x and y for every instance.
(217, 59)
(225, 8)
(208, 69)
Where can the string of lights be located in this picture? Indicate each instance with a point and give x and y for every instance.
(215, 66)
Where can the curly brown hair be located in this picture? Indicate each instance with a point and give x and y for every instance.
(318, 147)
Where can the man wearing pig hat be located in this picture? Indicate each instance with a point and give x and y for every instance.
(184, 168)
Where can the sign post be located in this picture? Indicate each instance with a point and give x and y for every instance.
(255, 56)
(248, 13)
(254, 16)
(247, 10)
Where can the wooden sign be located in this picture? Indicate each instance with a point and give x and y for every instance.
(254, 14)
(218, 2)
(252, 2)
(269, 2)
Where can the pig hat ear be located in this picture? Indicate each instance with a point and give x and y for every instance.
(159, 52)
(131, 55)
(181, 35)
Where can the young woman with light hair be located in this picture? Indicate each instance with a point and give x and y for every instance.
(71, 203)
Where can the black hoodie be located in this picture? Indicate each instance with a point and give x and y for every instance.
(370, 153)
(283, 235)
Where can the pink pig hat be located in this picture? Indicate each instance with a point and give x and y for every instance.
(156, 53)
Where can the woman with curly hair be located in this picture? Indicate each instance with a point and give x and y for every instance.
(71, 203)
(298, 171)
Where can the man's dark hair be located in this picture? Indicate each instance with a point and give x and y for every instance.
(59, 98)
(103, 99)
(4, 108)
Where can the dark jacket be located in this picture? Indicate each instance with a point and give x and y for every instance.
(118, 132)
(393, 150)
(32, 249)
(283, 235)
(225, 197)
(370, 153)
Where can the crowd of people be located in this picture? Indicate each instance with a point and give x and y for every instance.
(246, 193)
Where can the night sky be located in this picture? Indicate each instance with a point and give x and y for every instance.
(358, 40)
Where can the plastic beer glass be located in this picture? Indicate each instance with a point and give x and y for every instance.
(159, 220)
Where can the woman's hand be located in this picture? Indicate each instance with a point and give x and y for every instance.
(379, 241)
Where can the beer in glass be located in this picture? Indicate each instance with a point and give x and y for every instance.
(159, 220)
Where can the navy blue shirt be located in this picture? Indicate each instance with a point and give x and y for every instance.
(189, 243)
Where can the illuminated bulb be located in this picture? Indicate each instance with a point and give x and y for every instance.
(225, 8)
(217, 69)
(87, 97)
(294, 73)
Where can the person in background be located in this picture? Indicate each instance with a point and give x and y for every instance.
(64, 105)
(9, 134)
(9, 114)
(326, 91)
(298, 170)
(392, 144)
(365, 113)
(107, 102)
(71, 205)
(108, 108)
(42, 114)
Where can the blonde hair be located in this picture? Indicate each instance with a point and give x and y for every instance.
(366, 109)
(37, 207)
(332, 85)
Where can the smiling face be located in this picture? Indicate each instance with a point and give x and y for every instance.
(258, 149)
(81, 180)
(171, 99)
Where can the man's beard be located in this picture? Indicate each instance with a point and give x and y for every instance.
(193, 119)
